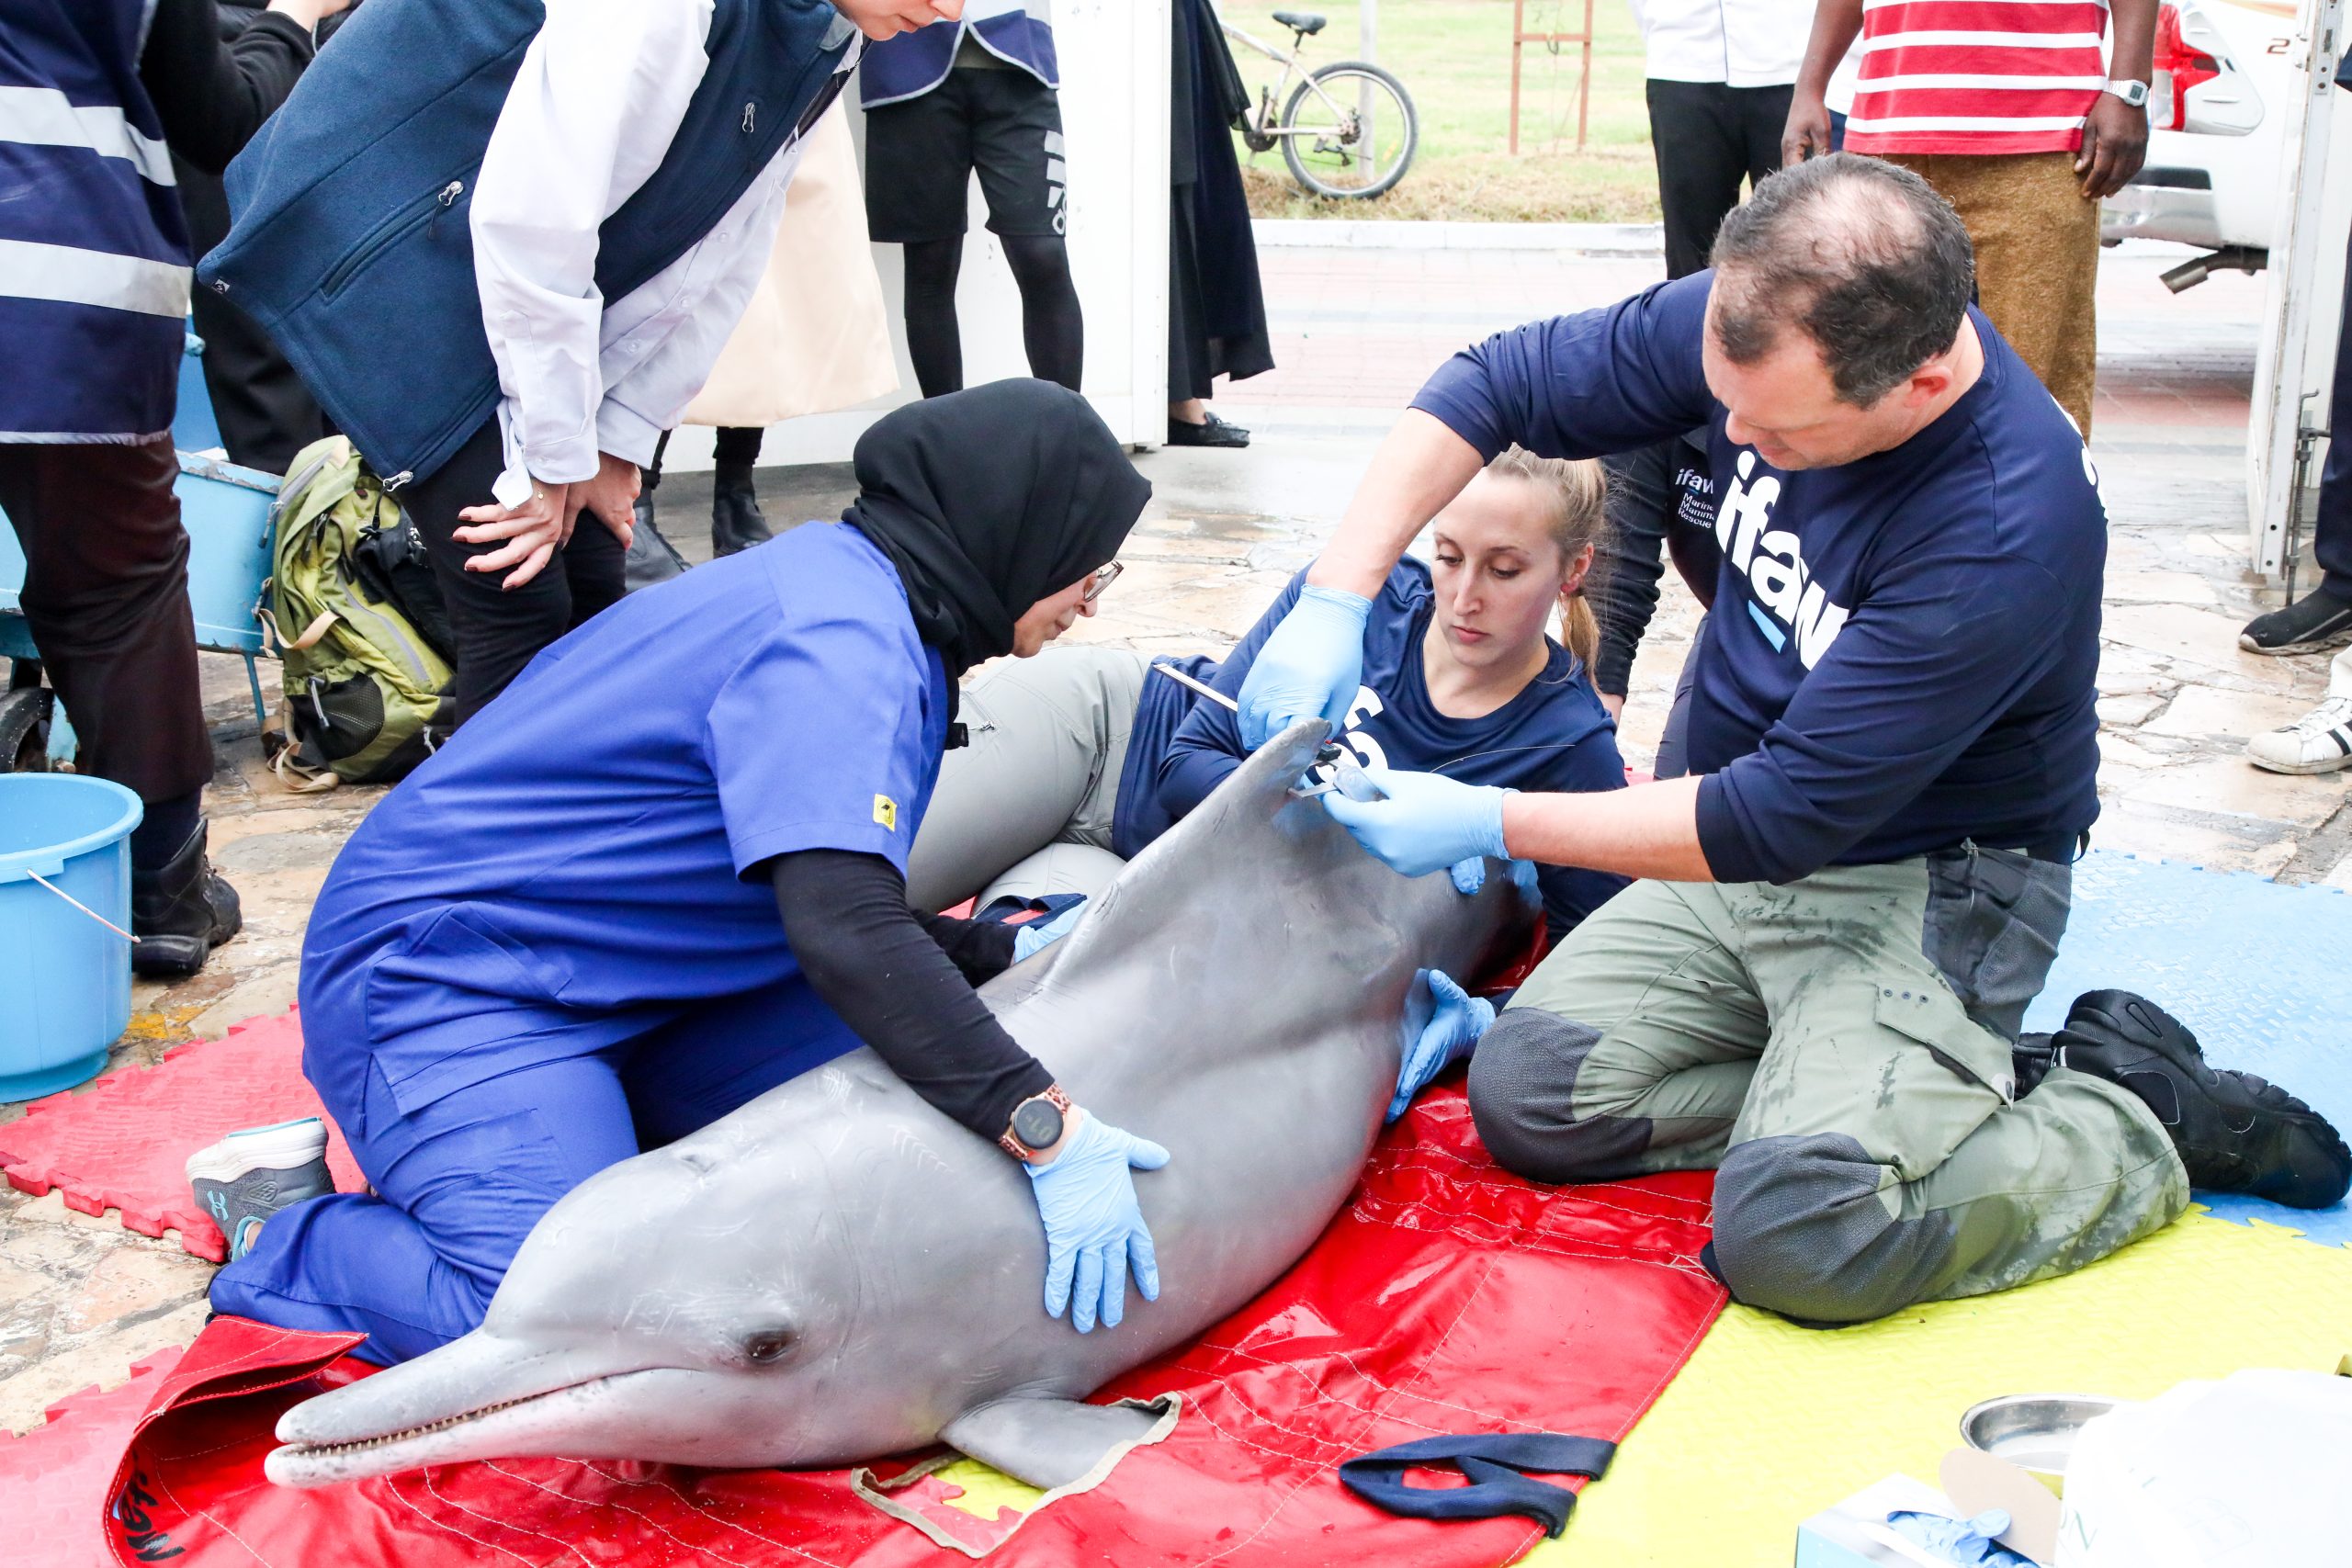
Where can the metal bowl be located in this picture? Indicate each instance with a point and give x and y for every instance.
(2033, 1431)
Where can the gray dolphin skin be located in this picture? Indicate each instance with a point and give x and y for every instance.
(836, 1272)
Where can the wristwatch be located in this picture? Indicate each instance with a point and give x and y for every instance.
(2132, 93)
(1037, 1123)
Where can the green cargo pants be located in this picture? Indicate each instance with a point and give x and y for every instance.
(1839, 1050)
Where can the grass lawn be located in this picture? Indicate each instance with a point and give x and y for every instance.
(1454, 57)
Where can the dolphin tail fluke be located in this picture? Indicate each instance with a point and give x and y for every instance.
(1058, 1444)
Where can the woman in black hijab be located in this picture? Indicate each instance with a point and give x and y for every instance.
(664, 872)
(988, 502)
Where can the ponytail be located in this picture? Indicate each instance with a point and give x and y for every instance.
(1580, 627)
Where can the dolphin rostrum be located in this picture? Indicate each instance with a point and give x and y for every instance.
(836, 1272)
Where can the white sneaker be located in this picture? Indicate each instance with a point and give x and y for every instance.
(2319, 742)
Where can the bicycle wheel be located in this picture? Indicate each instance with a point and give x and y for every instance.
(1350, 131)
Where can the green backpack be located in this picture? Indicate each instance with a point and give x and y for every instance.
(368, 696)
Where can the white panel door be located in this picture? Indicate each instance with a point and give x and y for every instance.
(2305, 290)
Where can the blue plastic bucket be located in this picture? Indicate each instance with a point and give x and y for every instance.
(64, 976)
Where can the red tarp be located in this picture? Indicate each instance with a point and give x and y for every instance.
(1448, 1297)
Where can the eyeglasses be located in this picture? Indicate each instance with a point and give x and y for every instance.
(1101, 579)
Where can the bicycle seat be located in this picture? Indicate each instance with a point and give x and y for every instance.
(1306, 23)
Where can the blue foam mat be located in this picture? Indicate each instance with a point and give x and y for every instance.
(2257, 969)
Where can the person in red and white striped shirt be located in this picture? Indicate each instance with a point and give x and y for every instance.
(2015, 112)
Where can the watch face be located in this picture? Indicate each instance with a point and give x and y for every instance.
(1037, 1123)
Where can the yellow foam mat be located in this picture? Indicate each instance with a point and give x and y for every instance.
(1770, 1422)
(987, 1489)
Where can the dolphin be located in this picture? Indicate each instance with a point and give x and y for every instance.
(836, 1272)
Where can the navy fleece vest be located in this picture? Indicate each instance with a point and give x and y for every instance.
(351, 241)
(93, 249)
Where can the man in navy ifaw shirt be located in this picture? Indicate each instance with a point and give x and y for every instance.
(1818, 988)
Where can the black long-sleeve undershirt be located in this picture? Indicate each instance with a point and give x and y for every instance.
(213, 96)
(903, 981)
(1646, 529)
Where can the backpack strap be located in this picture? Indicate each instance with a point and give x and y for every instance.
(315, 630)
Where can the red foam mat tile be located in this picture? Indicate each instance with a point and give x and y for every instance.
(121, 1143)
(54, 1479)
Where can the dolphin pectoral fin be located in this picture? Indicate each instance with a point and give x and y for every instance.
(1058, 1445)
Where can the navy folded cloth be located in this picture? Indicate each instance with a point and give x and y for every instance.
(1492, 1461)
(1011, 909)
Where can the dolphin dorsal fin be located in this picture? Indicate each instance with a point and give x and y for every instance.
(1235, 826)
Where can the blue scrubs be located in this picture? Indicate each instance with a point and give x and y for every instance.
(540, 953)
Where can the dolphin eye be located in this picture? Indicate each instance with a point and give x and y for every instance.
(768, 1347)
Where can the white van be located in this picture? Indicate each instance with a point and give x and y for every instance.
(2224, 85)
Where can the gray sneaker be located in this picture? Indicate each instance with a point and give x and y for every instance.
(250, 1174)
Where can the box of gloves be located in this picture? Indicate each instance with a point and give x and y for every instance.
(1855, 1533)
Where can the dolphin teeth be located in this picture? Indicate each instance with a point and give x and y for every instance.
(361, 1445)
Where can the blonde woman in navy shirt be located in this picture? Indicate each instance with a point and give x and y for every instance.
(1081, 757)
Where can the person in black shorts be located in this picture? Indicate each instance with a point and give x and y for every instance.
(943, 101)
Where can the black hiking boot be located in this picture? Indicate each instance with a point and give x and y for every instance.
(650, 558)
(2235, 1133)
(736, 522)
(180, 911)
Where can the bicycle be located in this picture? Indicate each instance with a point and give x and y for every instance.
(1335, 149)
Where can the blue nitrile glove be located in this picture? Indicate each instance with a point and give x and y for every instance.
(1309, 667)
(1970, 1542)
(1094, 1227)
(1451, 1034)
(1038, 935)
(1428, 823)
(1469, 876)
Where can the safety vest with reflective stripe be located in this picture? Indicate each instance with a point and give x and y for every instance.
(93, 251)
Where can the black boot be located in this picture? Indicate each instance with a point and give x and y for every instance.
(650, 558)
(180, 911)
(735, 520)
(2029, 1059)
(1211, 432)
(2235, 1133)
